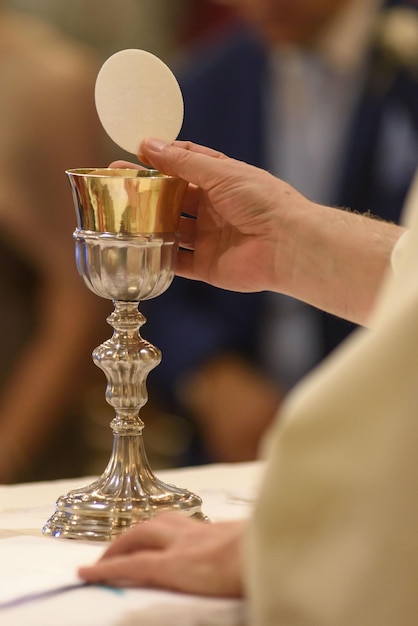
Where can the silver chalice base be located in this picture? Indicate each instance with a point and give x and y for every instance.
(132, 263)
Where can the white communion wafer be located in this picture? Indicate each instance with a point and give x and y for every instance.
(138, 96)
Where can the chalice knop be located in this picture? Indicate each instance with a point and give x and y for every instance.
(126, 243)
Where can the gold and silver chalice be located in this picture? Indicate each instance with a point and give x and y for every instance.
(126, 243)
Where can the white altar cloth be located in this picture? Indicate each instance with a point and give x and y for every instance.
(33, 566)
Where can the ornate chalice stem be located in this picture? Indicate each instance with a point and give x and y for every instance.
(127, 492)
(126, 359)
(125, 251)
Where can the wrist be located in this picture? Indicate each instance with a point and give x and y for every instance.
(296, 230)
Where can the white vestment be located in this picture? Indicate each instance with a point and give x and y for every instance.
(334, 538)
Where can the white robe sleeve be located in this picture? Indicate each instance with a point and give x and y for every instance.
(334, 538)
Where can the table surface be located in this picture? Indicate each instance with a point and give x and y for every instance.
(34, 569)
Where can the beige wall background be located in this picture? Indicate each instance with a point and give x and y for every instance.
(110, 25)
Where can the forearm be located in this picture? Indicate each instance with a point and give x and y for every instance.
(339, 260)
(254, 232)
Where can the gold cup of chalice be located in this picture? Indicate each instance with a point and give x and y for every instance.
(126, 243)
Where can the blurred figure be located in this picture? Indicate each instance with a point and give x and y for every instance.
(108, 27)
(49, 319)
(324, 94)
(160, 27)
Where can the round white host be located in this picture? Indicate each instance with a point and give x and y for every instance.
(138, 96)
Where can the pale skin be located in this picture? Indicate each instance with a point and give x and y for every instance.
(177, 553)
(232, 388)
(247, 231)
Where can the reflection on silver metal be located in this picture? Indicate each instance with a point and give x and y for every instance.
(126, 247)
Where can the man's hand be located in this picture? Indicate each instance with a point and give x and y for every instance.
(174, 552)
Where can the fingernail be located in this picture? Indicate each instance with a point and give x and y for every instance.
(156, 145)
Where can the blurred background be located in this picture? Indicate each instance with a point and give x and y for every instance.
(323, 93)
(54, 420)
(161, 27)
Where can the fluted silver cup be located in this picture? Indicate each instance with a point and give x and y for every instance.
(126, 244)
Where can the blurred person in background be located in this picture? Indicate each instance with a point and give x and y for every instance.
(49, 320)
(107, 27)
(161, 27)
(324, 94)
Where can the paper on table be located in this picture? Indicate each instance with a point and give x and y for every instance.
(49, 592)
(94, 606)
(38, 564)
(33, 563)
(197, 612)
